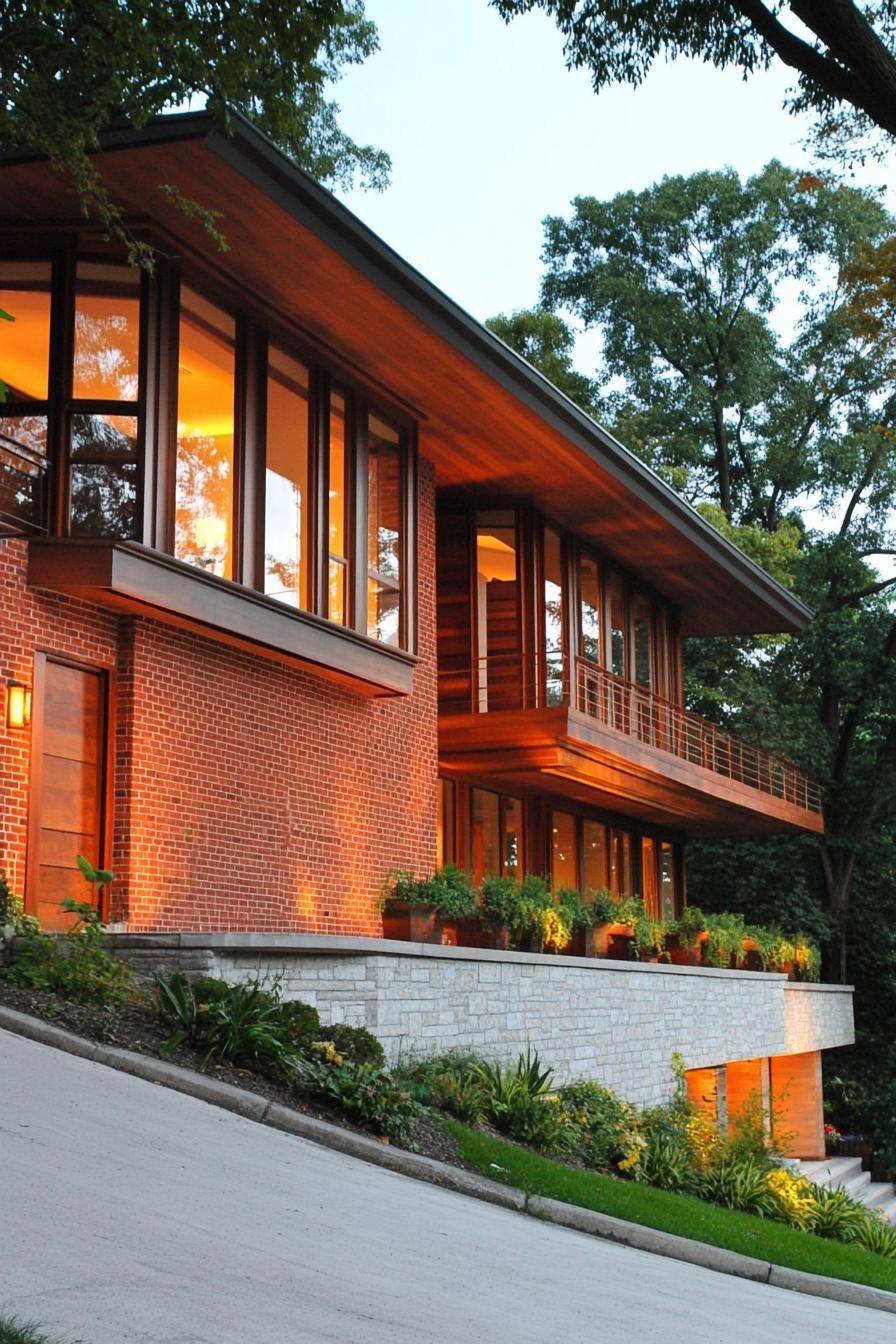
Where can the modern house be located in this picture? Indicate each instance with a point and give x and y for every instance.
(306, 576)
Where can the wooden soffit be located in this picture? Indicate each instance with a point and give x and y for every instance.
(488, 421)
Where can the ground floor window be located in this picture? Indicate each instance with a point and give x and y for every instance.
(496, 835)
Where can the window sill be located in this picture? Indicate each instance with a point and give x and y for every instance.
(128, 577)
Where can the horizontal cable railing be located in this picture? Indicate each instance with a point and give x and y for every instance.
(22, 482)
(510, 681)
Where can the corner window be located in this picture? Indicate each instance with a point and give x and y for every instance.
(25, 294)
(286, 493)
(384, 531)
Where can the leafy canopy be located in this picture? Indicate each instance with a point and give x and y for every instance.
(844, 54)
(69, 70)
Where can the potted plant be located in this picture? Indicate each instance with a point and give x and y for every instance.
(427, 910)
(685, 937)
(614, 924)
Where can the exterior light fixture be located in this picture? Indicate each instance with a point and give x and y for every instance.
(18, 705)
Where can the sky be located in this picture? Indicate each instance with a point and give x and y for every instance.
(489, 133)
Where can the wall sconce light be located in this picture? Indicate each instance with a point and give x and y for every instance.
(18, 705)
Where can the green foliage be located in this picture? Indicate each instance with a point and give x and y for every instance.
(75, 966)
(461, 1094)
(368, 1094)
(356, 1044)
(70, 72)
(737, 1183)
(604, 1122)
(877, 1236)
(838, 1216)
(547, 342)
(245, 1023)
(449, 891)
(843, 55)
(13, 1330)
(602, 906)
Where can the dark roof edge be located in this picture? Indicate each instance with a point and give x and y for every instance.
(296, 191)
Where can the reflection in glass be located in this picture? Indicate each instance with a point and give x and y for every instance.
(643, 640)
(617, 629)
(497, 613)
(486, 834)
(107, 333)
(25, 342)
(649, 886)
(286, 481)
(104, 476)
(668, 884)
(383, 532)
(553, 618)
(203, 534)
(336, 528)
(512, 864)
(564, 860)
(594, 839)
(23, 464)
(589, 610)
(621, 863)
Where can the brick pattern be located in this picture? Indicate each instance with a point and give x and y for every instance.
(32, 620)
(247, 795)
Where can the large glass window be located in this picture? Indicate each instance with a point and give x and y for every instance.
(203, 534)
(589, 610)
(337, 572)
(104, 467)
(553, 618)
(642, 637)
(595, 855)
(617, 628)
(446, 824)
(24, 372)
(669, 905)
(384, 531)
(286, 495)
(497, 612)
(621, 863)
(564, 852)
(107, 333)
(497, 835)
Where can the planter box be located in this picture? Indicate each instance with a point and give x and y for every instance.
(413, 923)
(613, 941)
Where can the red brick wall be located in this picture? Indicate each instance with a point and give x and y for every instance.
(248, 795)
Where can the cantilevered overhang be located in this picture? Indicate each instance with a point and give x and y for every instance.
(135, 580)
(566, 753)
(488, 421)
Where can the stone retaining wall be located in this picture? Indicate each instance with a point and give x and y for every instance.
(617, 1022)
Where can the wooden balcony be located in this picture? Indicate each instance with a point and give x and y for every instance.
(617, 746)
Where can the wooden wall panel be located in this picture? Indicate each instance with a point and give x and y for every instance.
(798, 1103)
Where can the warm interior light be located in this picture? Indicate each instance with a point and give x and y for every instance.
(18, 705)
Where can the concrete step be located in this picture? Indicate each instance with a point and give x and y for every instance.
(846, 1173)
(875, 1194)
(832, 1171)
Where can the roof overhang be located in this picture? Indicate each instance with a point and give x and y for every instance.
(489, 422)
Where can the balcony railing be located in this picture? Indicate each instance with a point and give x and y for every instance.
(510, 682)
(22, 483)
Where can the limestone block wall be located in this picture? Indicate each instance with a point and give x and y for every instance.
(616, 1022)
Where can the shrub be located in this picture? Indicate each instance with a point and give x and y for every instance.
(356, 1044)
(738, 1183)
(667, 1159)
(837, 1215)
(605, 1125)
(242, 1023)
(500, 902)
(76, 966)
(877, 1235)
(206, 989)
(449, 891)
(540, 1121)
(501, 1084)
(299, 1024)
(370, 1095)
(460, 1094)
(794, 1198)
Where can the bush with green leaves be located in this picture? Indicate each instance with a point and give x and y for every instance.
(837, 1215)
(603, 1121)
(368, 1094)
(75, 966)
(449, 891)
(737, 1183)
(246, 1024)
(460, 1093)
(877, 1235)
(357, 1045)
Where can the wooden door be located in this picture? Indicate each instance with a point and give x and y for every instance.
(68, 785)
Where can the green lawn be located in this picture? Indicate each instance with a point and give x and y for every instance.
(681, 1214)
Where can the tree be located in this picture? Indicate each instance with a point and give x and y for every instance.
(547, 342)
(69, 70)
(756, 417)
(844, 54)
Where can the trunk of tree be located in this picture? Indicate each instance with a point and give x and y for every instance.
(837, 866)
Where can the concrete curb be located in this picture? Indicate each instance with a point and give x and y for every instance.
(254, 1107)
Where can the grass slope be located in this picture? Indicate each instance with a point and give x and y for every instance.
(680, 1214)
(15, 1331)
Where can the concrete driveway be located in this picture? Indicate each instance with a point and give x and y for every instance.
(131, 1213)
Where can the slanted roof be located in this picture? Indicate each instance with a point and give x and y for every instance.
(488, 420)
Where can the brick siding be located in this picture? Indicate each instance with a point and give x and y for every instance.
(247, 795)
